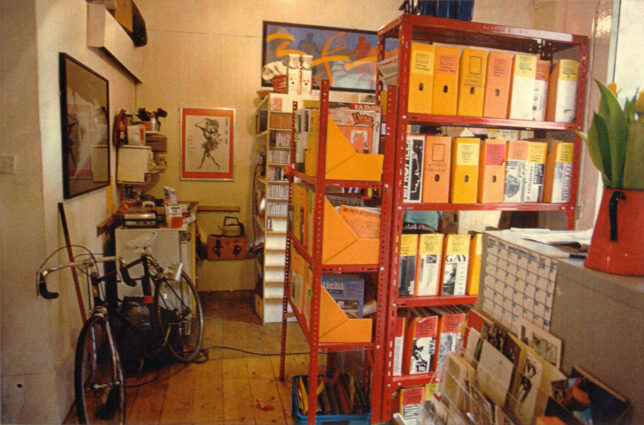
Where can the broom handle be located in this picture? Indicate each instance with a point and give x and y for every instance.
(79, 297)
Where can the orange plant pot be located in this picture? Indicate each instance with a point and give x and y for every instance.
(617, 245)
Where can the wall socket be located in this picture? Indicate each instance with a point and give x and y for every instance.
(7, 164)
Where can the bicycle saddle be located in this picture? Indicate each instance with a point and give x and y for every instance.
(144, 241)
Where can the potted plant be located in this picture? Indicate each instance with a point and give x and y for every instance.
(615, 142)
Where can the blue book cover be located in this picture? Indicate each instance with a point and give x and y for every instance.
(347, 291)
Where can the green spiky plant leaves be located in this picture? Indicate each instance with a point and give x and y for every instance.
(615, 140)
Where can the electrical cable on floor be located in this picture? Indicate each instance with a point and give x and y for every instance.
(223, 347)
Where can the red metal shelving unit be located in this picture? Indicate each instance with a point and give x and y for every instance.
(311, 331)
(449, 31)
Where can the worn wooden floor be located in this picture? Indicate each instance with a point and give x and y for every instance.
(226, 389)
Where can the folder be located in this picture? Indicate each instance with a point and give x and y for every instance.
(524, 71)
(407, 275)
(535, 169)
(436, 172)
(421, 78)
(497, 86)
(474, 265)
(562, 96)
(420, 344)
(556, 187)
(429, 261)
(445, 89)
(465, 170)
(471, 87)
(540, 90)
(492, 171)
(515, 166)
(457, 251)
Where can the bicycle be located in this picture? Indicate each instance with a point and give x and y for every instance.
(99, 381)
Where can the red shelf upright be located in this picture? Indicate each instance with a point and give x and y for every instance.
(319, 184)
(408, 28)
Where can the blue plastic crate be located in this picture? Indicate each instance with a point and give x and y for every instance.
(300, 419)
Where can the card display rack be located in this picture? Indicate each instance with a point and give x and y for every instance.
(378, 272)
(408, 28)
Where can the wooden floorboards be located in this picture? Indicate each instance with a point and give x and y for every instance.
(232, 387)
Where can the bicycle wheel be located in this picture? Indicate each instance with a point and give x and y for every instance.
(98, 376)
(179, 315)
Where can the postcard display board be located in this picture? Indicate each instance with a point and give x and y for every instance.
(518, 279)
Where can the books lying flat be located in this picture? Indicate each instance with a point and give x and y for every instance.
(347, 291)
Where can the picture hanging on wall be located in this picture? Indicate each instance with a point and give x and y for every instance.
(346, 57)
(207, 143)
(84, 106)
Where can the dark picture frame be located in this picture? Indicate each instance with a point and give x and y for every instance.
(346, 57)
(85, 124)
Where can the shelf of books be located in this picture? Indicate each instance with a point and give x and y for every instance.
(484, 119)
(336, 249)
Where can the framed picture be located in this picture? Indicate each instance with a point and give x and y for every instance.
(207, 143)
(347, 58)
(84, 106)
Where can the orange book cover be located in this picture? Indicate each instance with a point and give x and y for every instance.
(445, 90)
(515, 169)
(465, 170)
(471, 85)
(421, 78)
(492, 171)
(420, 345)
(437, 166)
(497, 86)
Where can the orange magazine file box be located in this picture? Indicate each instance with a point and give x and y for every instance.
(497, 86)
(445, 92)
(492, 171)
(438, 151)
(421, 78)
(471, 87)
(465, 170)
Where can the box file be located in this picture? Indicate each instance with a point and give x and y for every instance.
(540, 90)
(471, 87)
(492, 171)
(414, 168)
(465, 170)
(445, 91)
(556, 187)
(515, 168)
(429, 261)
(457, 250)
(497, 86)
(436, 171)
(562, 96)
(474, 265)
(407, 274)
(421, 78)
(535, 169)
(524, 71)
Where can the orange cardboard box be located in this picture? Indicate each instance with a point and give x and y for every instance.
(445, 92)
(421, 78)
(341, 244)
(465, 170)
(497, 86)
(438, 150)
(471, 87)
(492, 171)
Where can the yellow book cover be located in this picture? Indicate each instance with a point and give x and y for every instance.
(421, 78)
(471, 87)
(430, 256)
(535, 170)
(474, 266)
(457, 251)
(465, 170)
(562, 94)
(515, 166)
(540, 99)
(406, 277)
(445, 92)
(556, 188)
(492, 171)
(524, 72)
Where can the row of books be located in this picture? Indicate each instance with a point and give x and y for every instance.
(281, 121)
(281, 139)
(437, 264)
(494, 84)
(276, 173)
(466, 170)
(278, 191)
(340, 394)
(278, 156)
(423, 336)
